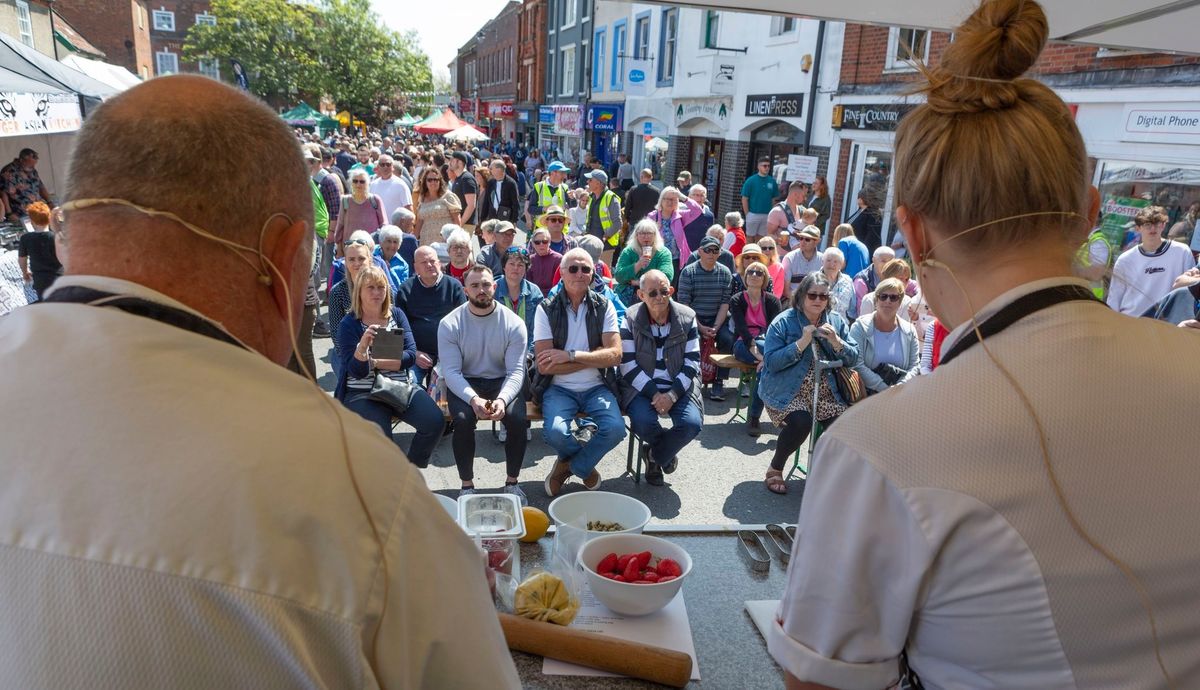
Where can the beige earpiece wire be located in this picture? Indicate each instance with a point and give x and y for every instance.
(328, 401)
(1060, 494)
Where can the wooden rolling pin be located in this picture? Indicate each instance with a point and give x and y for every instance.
(593, 650)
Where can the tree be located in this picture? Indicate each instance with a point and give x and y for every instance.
(366, 66)
(273, 39)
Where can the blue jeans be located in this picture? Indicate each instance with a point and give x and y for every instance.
(742, 353)
(665, 443)
(1180, 304)
(423, 415)
(559, 407)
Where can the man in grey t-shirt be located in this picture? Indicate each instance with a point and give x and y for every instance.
(482, 348)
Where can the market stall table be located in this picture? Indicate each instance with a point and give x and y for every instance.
(730, 651)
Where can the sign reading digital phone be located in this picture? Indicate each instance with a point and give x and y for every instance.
(1164, 123)
(38, 113)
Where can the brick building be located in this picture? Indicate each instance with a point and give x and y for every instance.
(1124, 103)
(531, 67)
(496, 69)
(169, 24)
(29, 22)
(120, 28)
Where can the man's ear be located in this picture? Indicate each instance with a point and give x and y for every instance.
(290, 250)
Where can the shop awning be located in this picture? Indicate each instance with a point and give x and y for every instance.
(27, 62)
(444, 122)
(1154, 25)
(115, 76)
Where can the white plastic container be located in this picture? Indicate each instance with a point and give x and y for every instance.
(603, 506)
(497, 524)
(632, 599)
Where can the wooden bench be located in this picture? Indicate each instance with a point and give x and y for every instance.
(747, 378)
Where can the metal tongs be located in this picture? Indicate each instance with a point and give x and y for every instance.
(781, 541)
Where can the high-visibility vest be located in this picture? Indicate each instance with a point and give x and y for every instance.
(1083, 257)
(606, 220)
(547, 196)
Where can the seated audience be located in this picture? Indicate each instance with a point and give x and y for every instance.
(482, 348)
(426, 298)
(503, 233)
(390, 238)
(887, 344)
(371, 311)
(458, 247)
(735, 233)
(842, 302)
(660, 374)
(543, 261)
(706, 287)
(515, 291)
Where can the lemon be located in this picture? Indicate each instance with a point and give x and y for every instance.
(536, 524)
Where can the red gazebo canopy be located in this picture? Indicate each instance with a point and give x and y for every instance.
(446, 122)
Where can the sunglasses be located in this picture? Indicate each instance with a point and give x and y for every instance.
(517, 250)
(888, 297)
(808, 239)
(358, 182)
(538, 242)
(819, 296)
(350, 243)
(655, 294)
(586, 270)
(711, 250)
(756, 272)
(557, 221)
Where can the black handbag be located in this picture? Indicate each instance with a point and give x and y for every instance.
(395, 394)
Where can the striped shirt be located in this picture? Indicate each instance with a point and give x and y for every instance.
(660, 381)
(705, 291)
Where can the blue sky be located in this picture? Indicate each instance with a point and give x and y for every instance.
(441, 26)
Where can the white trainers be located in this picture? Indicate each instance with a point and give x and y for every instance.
(502, 434)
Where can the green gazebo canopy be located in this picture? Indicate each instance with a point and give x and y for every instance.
(303, 115)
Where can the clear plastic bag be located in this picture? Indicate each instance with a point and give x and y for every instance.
(552, 593)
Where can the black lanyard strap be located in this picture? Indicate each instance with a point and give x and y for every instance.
(74, 294)
(1017, 310)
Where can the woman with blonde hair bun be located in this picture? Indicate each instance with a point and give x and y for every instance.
(1008, 544)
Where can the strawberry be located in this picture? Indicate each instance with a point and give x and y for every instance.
(631, 571)
(650, 575)
(618, 578)
(643, 559)
(666, 579)
(608, 564)
(642, 582)
(623, 561)
(668, 567)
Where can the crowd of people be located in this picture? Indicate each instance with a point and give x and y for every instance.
(622, 293)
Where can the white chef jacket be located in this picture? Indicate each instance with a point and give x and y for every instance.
(177, 512)
(949, 542)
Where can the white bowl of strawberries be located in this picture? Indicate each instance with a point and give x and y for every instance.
(634, 574)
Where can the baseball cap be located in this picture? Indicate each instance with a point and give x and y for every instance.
(310, 154)
(709, 242)
(462, 156)
(504, 226)
(810, 231)
(598, 175)
(557, 166)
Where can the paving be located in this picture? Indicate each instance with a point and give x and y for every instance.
(719, 480)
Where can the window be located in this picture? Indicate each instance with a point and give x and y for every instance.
(141, 13)
(570, 8)
(618, 55)
(906, 46)
(164, 20)
(24, 23)
(600, 42)
(567, 65)
(667, 39)
(641, 38)
(550, 75)
(206, 18)
(166, 62)
(210, 67)
(712, 29)
(782, 25)
(585, 62)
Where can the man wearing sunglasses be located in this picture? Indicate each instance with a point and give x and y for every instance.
(550, 192)
(492, 255)
(660, 374)
(576, 345)
(803, 259)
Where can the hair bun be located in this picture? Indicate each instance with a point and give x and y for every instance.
(998, 43)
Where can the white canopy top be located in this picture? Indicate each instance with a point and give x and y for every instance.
(117, 77)
(1153, 25)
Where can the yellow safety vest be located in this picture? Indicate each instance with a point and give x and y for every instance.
(606, 220)
(548, 196)
(1083, 257)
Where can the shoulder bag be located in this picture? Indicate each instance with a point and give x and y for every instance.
(395, 394)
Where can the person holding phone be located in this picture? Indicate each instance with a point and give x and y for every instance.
(372, 315)
(788, 376)
(644, 251)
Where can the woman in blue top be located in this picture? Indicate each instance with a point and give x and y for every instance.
(371, 311)
(787, 378)
(517, 293)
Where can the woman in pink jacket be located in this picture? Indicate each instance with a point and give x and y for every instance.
(673, 212)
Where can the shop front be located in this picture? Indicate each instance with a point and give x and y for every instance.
(777, 134)
(1155, 162)
(526, 124)
(500, 119)
(649, 136)
(560, 132)
(704, 125)
(867, 152)
(606, 121)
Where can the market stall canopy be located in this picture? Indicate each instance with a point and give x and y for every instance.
(466, 133)
(407, 120)
(445, 121)
(1153, 25)
(656, 144)
(115, 76)
(20, 58)
(303, 115)
(343, 119)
